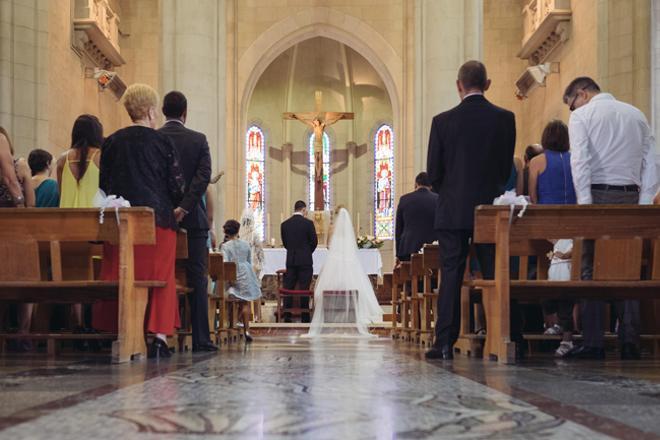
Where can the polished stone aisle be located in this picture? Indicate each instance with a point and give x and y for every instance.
(292, 388)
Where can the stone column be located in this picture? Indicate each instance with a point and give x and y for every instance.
(192, 61)
(447, 33)
(24, 72)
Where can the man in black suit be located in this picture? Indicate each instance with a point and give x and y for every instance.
(469, 161)
(299, 239)
(414, 218)
(191, 212)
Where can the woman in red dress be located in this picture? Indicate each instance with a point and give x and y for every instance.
(142, 166)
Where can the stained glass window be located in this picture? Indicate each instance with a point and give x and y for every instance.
(255, 161)
(384, 182)
(326, 172)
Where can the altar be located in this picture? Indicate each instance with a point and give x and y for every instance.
(275, 259)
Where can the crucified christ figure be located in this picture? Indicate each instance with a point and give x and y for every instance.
(318, 121)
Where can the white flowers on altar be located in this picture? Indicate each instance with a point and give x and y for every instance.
(369, 242)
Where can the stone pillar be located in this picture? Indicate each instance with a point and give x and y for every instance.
(447, 33)
(24, 72)
(192, 61)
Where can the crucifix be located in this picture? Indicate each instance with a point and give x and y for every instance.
(318, 120)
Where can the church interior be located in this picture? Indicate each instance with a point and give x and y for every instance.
(372, 75)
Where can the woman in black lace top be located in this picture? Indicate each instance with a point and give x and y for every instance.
(142, 166)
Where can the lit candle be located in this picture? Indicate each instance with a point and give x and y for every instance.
(272, 242)
(267, 226)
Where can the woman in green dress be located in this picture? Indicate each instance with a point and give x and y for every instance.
(45, 189)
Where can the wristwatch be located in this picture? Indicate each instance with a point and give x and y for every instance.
(20, 200)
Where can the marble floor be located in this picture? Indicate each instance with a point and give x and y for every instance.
(285, 387)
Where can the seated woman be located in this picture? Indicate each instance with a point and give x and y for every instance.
(45, 189)
(246, 288)
(142, 166)
(551, 183)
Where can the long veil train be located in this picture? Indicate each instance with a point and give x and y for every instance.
(344, 299)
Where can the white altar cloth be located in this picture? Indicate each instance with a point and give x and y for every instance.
(275, 259)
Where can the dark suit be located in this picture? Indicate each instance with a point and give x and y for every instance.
(414, 222)
(299, 239)
(469, 162)
(196, 165)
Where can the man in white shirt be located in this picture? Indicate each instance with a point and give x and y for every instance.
(613, 162)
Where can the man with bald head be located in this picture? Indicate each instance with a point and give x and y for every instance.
(469, 162)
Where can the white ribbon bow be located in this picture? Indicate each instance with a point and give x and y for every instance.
(510, 198)
(103, 202)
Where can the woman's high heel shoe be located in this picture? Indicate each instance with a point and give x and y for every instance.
(159, 349)
(248, 337)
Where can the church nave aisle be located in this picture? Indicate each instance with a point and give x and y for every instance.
(287, 387)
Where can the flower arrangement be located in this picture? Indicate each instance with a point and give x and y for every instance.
(368, 242)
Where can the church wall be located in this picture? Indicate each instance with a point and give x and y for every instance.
(606, 42)
(502, 36)
(385, 16)
(447, 33)
(24, 43)
(42, 79)
(70, 94)
(192, 61)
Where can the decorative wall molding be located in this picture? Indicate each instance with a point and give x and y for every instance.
(546, 27)
(96, 34)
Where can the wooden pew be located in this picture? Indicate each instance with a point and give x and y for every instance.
(401, 296)
(431, 264)
(227, 331)
(384, 295)
(21, 277)
(416, 297)
(619, 232)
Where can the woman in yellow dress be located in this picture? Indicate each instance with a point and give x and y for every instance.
(78, 167)
(78, 176)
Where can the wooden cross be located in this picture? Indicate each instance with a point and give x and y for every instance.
(318, 120)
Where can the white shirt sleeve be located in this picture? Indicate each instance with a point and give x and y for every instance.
(580, 159)
(649, 170)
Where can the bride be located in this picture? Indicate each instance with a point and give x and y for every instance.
(344, 299)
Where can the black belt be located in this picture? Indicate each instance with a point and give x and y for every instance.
(624, 188)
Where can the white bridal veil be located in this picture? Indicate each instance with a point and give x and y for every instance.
(344, 299)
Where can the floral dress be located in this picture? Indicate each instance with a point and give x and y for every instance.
(247, 286)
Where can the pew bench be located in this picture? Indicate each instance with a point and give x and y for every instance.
(620, 233)
(27, 277)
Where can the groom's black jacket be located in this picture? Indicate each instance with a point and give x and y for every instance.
(299, 239)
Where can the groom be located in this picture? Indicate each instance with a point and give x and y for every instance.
(299, 239)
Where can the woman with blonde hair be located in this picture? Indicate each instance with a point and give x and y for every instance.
(142, 166)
